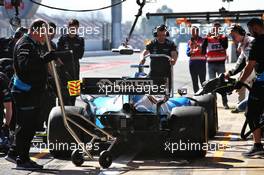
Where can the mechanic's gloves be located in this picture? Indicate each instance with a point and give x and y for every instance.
(231, 73)
(228, 74)
(238, 85)
(49, 56)
(53, 55)
(66, 53)
(141, 68)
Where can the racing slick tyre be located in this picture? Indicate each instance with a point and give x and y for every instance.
(209, 102)
(59, 139)
(188, 132)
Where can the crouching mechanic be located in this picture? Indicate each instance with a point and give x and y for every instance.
(256, 95)
(28, 88)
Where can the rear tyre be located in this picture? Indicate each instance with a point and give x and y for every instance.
(59, 139)
(209, 102)
(188, 132)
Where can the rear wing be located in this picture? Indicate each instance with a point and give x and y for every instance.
(125, 86)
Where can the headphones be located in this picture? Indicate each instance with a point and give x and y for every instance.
(162, 27)
(20, 32)
(238, 29)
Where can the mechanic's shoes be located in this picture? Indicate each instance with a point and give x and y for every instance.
(11, 158)
(226, 106)
(257, 149)
(27, 165)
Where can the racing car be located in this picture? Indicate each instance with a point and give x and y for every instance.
(157, 118)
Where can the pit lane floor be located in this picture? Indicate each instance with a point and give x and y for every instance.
(227, 160)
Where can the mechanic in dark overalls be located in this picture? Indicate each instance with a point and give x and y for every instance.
(5, 103)
(197, 64)
(7, 45)
(28, 88)
(50, 92)
(256, 95)
(6, 73)
(160, 45)
(4, 47)
(18, 34)
(6, 67)
(71, 41)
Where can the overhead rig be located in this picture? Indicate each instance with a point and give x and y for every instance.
(221, 16)
(125, 48)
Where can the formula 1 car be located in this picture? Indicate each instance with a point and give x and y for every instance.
(128, 110)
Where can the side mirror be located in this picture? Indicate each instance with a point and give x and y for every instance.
(182, 91)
